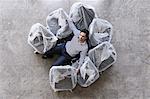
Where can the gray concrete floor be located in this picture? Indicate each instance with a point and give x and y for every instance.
(24, 75)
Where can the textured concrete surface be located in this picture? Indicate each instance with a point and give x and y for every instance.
(24, 75)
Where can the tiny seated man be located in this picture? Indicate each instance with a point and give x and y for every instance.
(77, 47)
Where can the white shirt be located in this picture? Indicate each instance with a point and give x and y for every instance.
(74, 47)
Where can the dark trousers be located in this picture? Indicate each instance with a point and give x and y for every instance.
(64, 59)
